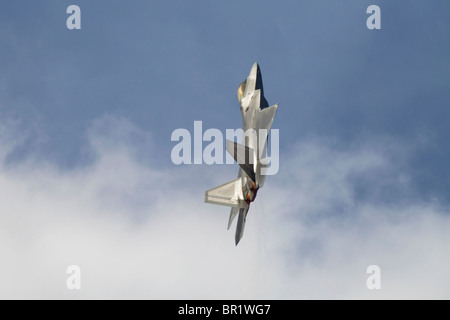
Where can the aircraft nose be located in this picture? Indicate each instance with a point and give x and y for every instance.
(255, 71)
(254, 80)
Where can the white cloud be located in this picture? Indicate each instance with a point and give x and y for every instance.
(140, 232)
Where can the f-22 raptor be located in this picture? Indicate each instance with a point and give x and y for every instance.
(257, 118)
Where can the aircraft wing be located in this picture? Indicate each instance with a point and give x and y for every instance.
(243, 155)
(264, 117)
(264, 120)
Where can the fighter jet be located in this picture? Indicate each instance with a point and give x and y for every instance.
(257, 118)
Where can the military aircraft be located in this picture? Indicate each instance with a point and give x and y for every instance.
(257, 118)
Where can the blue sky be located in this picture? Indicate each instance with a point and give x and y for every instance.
(137, 70)
(164, 65)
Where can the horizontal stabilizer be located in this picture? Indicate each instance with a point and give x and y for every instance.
(243, 155)
(228, 194)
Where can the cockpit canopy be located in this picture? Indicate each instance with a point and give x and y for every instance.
(241, 90)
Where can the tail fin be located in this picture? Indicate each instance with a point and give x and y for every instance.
(234, 211)
(228, 194)
(241, 224)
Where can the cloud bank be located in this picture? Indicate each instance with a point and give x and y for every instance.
(139, 231)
